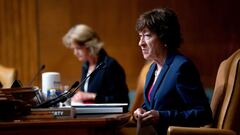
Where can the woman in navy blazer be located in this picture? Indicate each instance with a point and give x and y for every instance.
(173, 92)
(107, 84)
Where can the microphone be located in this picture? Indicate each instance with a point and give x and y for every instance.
(38, 72)
(98, 67)
(63, 97)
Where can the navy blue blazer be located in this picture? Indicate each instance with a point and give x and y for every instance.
(177, 94)
(109, 83)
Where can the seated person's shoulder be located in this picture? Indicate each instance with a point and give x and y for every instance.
(112, 63)
(183, 60)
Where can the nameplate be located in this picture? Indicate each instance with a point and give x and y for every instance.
(56, 112)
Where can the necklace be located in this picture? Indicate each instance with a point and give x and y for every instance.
(156, 73)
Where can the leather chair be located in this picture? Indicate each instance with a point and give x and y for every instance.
(225, 103)
(138, 100)
(130, 128)
(7, 76)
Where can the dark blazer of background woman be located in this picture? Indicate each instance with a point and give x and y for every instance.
(109, 83)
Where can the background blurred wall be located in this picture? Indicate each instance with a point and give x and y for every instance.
(31, 33)
(210, 30)
(18, 37)
(113, 20)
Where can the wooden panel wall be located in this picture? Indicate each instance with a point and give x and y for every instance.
(114, 21)
(31, 33)
(210, 30)
(18, 37)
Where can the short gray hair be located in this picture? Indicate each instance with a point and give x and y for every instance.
(83, 35)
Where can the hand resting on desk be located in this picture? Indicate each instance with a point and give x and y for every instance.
(146, 117)
(83, 96)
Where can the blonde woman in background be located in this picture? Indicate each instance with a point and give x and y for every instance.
(108, 85)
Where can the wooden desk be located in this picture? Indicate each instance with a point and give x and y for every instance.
(83, 125)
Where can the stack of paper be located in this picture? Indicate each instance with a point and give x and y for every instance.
(81, 108)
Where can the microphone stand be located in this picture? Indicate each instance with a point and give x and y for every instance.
(98, 67)
(34, 77)
(63, 97)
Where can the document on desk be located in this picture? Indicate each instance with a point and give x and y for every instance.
(81, 108)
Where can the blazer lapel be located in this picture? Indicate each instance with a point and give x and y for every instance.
(158, 83)
(159, 80)
(147, 83)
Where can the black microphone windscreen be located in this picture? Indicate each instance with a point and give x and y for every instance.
(42, 67)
